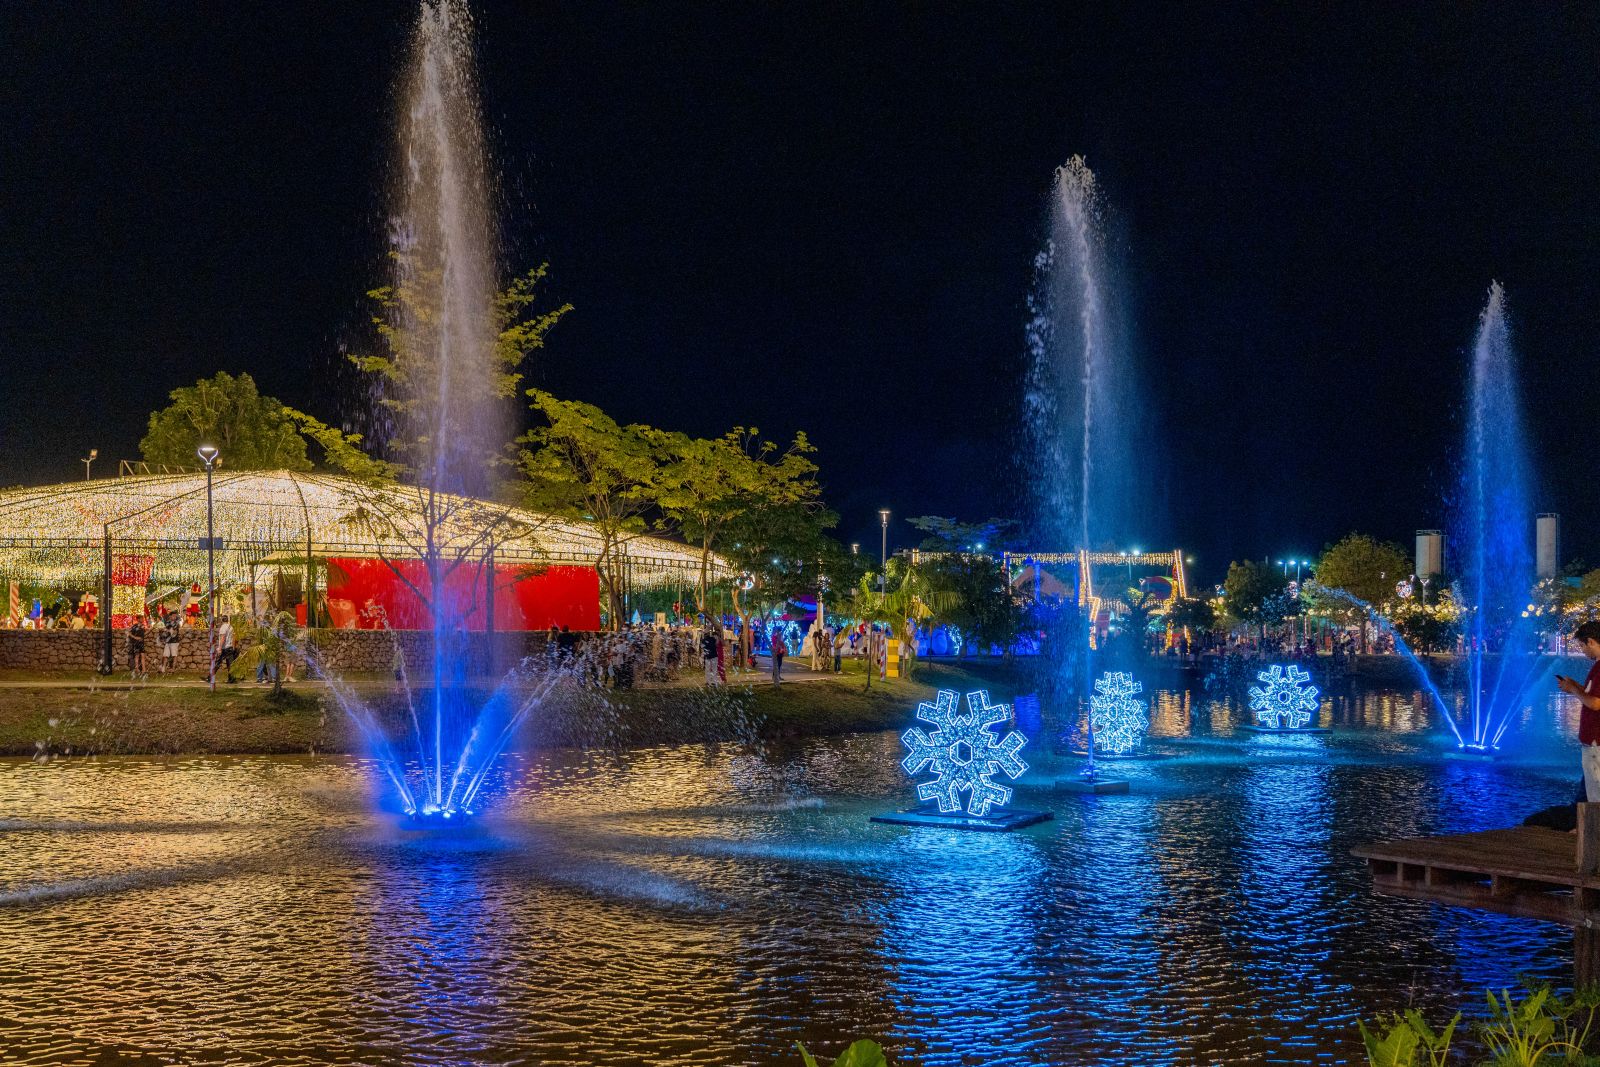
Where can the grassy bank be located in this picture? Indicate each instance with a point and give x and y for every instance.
(92, 717)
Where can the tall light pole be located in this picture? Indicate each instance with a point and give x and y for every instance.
(208, 456)
(883, 555)
(86, 460)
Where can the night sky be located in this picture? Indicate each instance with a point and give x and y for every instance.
(823, 217)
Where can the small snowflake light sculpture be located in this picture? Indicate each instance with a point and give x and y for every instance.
(1118, 719)
(963, 753)
(1286, 702)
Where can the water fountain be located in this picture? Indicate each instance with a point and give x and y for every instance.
(1079, 405)
(1494, 549)
(445, 384)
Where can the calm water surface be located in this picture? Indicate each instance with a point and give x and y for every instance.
(711, 905)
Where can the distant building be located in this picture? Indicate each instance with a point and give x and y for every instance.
(1547, 544)
(1430, 553)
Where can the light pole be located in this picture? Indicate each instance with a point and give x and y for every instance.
(86, 460)
(208, 456)
(883, 556)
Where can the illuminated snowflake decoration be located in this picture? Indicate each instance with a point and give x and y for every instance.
(1286, 703)
(963, 753)
(1118, 719)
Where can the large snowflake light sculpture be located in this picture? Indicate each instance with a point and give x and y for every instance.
(963, 753)
(1286, 703)
(1118, 719)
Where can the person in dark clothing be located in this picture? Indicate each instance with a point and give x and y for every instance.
(136, 635)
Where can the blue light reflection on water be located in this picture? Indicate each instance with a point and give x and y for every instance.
(714, 904)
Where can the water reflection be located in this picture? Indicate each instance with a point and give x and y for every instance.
(712, 905)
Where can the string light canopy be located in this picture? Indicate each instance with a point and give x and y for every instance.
(61, 535)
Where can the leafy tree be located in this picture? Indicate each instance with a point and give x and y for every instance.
(966, 586)
(412, 366)
(250, 431)
(1192, 614)
(1362, 567)
(708, 485)
(582, 465)
(1254, 594)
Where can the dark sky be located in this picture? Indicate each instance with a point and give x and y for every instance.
(823, 216)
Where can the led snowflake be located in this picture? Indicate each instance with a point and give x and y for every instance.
(963, 753)
(1286, 702)
(1118, 719)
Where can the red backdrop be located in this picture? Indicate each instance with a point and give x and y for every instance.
(525, 598)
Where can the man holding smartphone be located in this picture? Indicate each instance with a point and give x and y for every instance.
(1588, 694)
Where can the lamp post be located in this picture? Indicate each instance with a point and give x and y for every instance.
(208, 456)
(86, 460)
(883, 556)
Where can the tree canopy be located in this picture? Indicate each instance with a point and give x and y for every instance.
(250, 431)
(1364, 567)
(582, 465)
(1256, 593)
(709, 484)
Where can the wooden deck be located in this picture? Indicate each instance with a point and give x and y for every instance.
(1528, 871)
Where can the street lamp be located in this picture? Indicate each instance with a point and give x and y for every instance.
(208, 456)
(855, 548)
(883, 558)
(86, 460)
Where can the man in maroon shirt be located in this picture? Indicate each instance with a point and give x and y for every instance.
(1588, 694)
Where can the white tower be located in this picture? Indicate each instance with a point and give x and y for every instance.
(1430, 553)
(1547, 551)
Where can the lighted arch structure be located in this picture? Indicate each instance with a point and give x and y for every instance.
(1026, 566)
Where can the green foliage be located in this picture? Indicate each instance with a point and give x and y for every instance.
(860, 1054)
(1363, 567)
(963, 586)
(250, 431)
(408, 323)
(582, 465)
(1541, 1028)
(1255, 594)
(1193, 614)
(707, 485)
(1404, 1041)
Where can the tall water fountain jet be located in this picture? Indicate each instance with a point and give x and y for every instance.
(446, 383)
(1493, 526)
(1079, 401)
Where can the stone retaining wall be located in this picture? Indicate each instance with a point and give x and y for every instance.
(48, 651)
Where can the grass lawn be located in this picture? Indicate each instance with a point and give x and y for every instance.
(101, 717)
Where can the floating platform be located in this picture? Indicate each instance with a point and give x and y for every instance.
(1528, 871)
(1001, 821)
(1467, 755)
(1275, 731)
(1096, 786)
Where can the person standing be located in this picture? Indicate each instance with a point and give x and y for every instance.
(708, 655)
(136, 635)
(838, 652)
(778, 652)
(225, 649)
(1587, 637)
(171, 636)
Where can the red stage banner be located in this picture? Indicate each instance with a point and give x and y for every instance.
(525, 597)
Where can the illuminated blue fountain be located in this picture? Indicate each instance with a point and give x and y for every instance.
(444, 386)
(1082, 412)
(1492, 542)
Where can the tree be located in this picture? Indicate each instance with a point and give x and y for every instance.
(966, 586)
(1254, 594)
(250, 431)
(420, 361)
(1192, 614)
(584, 466)
(707, 485)
(1364, 568)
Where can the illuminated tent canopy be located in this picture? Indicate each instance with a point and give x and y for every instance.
(68, 536)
